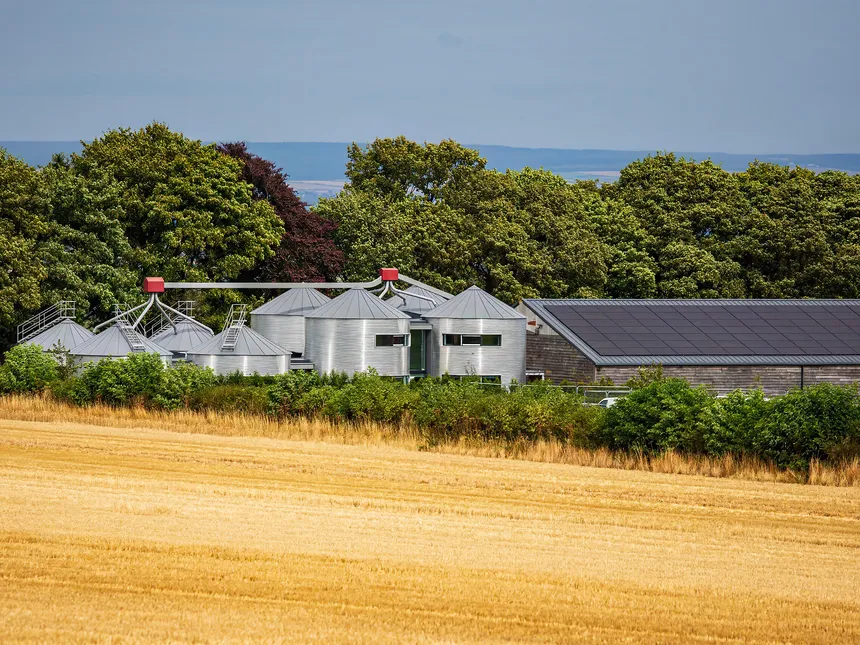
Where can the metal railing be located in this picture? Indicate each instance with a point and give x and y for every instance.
(233, 326)
(162, 322)
(45, 319)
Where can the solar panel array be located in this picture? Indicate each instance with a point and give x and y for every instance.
(714, 330)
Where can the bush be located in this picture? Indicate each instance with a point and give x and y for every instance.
(246, 399)
(667, 414)
(369, 397)
(287, 390)
(139, 378)
(27, 368)
(733, 423)
(818, 422)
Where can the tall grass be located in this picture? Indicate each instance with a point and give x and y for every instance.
(406, 436)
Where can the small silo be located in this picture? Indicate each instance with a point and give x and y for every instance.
(182, 338)
(240, 348)
(477, 334)
(117, 341)
(66, 333)
(355, 331)
(282, 320)
(416, 306)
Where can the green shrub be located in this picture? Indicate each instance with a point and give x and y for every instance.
(247, 399)
(733, 423)
(181, 382)
(666, 414)
(287, 390)
(138, 378)
(369, 397)
(818, 422)
(27, 368)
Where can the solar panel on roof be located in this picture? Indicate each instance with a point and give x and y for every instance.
(716, 330)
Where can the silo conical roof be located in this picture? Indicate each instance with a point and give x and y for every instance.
(112, 342)
(474, 303)
(417, 305)
(66, 332)
(295, 302)
(186, 336)
(248, 343)
(357, 304)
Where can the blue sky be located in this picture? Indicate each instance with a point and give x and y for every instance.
(758, 76)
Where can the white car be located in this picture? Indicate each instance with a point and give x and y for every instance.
(608, 402)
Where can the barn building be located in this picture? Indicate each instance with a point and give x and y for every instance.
(723, 344)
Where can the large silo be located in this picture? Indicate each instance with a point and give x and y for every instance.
(182, 337)
(117, 341)
(66, 334)
(477, 334)
(240, 348)
(282, 320)
(355, 331)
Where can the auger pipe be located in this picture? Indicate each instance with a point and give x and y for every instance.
(416, 283)
(118, 316)
(273, 285)
(183, 316)
(149, 304)
(384, 290)
(404, 294)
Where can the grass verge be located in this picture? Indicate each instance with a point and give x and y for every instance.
(46, 410)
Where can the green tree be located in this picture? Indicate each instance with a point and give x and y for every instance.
(85, 251)
(27, 368)
(690, 211)
(399, 168)
(184, 207)
(784, 247)
(23, 212)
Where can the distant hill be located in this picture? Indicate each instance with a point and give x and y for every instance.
(317, 169)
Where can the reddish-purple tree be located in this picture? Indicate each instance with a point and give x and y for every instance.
(307, 252)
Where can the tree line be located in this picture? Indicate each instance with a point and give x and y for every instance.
(89, 227)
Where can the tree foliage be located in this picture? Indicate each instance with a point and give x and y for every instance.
(24, 210)
(307, 252)
(185, 210)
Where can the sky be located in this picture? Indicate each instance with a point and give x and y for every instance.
(745, 76)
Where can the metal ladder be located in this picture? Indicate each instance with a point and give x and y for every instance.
(46, 318)
(233, 326)
(131, 335)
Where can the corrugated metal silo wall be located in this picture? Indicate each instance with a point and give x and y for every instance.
(286, 331)
(349, 345)
(247, 365)
(508, 360)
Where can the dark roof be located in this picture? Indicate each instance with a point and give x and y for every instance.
(708, 332)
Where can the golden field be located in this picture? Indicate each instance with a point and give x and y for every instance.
(135, 534)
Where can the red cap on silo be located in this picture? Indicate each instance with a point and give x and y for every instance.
(388, 274)
(153, 285)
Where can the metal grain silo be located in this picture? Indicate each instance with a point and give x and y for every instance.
(240, 348)
(477, 334)
(66, 334)
(282, 320)
(417, 306)
(355, 331)
(185, 336)
(116, 342)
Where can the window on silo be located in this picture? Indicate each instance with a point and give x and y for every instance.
(391, 340)
(474, 340)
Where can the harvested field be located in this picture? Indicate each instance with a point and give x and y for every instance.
(142, 535)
